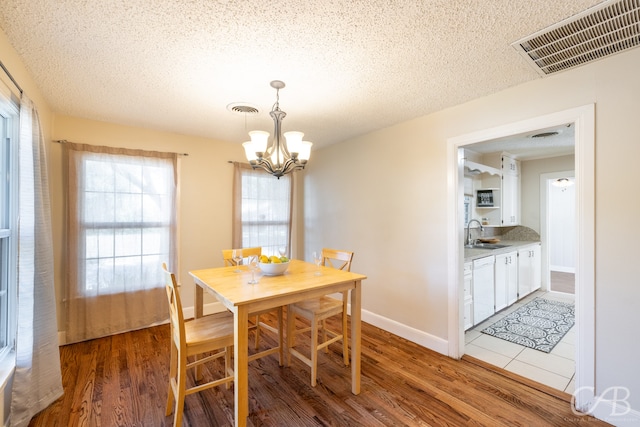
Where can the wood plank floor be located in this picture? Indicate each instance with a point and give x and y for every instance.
(122, 381)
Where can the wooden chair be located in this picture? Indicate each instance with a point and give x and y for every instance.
(317, 311)
(209, 334)
(257, 325)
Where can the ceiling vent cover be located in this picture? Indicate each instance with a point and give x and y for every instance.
(242, 108)
(608, 28)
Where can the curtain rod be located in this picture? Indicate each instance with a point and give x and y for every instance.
(64, 141)
(10, 77)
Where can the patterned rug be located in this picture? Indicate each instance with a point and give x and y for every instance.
(540, 324)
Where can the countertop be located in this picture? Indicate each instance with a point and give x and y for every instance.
(471, 254)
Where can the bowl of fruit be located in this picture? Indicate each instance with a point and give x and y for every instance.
(273, 265)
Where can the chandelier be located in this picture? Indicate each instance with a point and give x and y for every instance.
(279, 158)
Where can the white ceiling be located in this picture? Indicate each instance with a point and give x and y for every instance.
(551, 142)
(350, 67)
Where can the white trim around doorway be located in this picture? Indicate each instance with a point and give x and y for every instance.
(583, 119)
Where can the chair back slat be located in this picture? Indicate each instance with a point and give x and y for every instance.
(176, 316)
(338, 259)
(227, 254)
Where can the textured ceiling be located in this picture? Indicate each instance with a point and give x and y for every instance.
(351, 67)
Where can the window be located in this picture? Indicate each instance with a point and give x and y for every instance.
(126, 222)
(121, 228)
(8, 220)
(263, 210)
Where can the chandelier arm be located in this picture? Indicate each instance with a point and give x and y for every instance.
(292, 165)
(288, 166)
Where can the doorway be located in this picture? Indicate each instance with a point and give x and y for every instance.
(557, 226)
(582, 118)
(535, 153)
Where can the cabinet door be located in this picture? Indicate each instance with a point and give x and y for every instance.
(510, 166)
(468, 298)
(502, 280)
(512, 286)
(510, 191)
(529, 269)
(536, 267)
(510, 199)
(506, 279)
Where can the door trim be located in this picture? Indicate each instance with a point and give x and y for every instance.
(583, 119)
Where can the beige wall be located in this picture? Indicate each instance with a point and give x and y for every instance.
(384, 195)
(530, 172)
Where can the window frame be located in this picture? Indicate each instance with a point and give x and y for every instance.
(10, 130)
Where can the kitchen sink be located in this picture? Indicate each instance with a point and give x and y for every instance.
(486, 246)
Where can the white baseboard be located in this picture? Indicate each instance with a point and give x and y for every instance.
(214, 307)
(615, 413)
(407, 332)
(562, 269)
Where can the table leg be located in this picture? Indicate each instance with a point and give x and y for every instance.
(198, 301)
(198, 304)
(241, 365)
(355, 337)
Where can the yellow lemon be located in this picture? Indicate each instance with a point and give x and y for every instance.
(274, 259)
(264, 259)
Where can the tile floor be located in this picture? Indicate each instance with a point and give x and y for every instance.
(555, 369)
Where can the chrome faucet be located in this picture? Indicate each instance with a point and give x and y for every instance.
(469, 241)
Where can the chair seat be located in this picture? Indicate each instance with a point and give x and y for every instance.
(209, 332)
(318, 308)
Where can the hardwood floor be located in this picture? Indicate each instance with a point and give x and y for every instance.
(122, 381)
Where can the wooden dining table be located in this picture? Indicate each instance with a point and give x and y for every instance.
(301, 281)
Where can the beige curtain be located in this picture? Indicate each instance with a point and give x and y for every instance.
(121, 227)
(262, 209)
(37, 381)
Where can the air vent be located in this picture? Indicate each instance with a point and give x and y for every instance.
(608, 28)
(242, 108)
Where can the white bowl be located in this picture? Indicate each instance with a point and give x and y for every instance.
(273, 269)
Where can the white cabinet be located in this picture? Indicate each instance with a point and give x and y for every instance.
(510, 199)
(483, 289)
(510, 191)
(510, 165)
(509, 184)
(506, 279)
(529, 269)
(468, 296)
